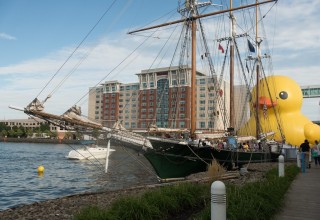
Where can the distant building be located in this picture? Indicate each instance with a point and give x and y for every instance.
(29, 123)
(161, 97)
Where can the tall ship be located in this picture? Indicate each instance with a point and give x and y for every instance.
(203, 40)
(181, 152)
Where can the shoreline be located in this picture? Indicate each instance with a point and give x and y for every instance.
(40, 140)
(64, 208)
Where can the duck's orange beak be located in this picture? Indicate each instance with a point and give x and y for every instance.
(265, 101)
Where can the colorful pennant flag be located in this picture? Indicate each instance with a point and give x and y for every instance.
(251, 47)
(221, 48)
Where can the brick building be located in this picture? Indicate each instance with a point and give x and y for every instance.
(161, 97)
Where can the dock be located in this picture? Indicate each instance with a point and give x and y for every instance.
(302, 201)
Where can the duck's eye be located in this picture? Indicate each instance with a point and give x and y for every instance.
(283, 95)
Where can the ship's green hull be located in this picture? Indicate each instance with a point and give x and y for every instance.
(174, 159)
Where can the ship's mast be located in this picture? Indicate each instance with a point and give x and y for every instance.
(257, 75)
(193, 72)
(232, 37)
(192, 5)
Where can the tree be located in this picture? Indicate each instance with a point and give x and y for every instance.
(29, 132)
(4, 133)
(19, 133)
(3, 126)
(11, 133)
(44, 127)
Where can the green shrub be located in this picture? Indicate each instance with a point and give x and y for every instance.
(257, 200)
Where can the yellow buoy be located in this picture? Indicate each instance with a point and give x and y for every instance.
(40, 169)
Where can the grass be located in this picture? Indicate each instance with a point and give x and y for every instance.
(257, 200)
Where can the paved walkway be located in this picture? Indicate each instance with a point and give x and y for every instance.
(302, 200)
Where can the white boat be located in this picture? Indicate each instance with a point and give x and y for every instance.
(89, 152)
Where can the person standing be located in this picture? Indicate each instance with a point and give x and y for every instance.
(316, 153)
(305, 148)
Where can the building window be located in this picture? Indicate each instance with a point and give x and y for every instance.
(174, 82)
(144, 85)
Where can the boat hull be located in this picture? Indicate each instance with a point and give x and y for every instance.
(174, 158)
(89, 153)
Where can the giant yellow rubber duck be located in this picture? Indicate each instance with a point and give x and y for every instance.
(280, 100)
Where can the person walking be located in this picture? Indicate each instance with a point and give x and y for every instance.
(316, 153)
(305, 148)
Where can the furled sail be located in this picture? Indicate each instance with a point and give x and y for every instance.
(74, 117)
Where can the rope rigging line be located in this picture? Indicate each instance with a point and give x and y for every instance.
(119, 64)
(139, 161)
(276, 113)
(78, 46)
(163, 90)
(260, 20)
(99, 164)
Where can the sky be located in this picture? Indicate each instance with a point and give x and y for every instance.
(38, 37)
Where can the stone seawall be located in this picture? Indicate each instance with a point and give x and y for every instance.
(40, 140)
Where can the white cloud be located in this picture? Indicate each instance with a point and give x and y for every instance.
(297, 25)
(7, 36)
(22, 82)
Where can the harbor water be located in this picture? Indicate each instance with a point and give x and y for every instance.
(20, 183)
